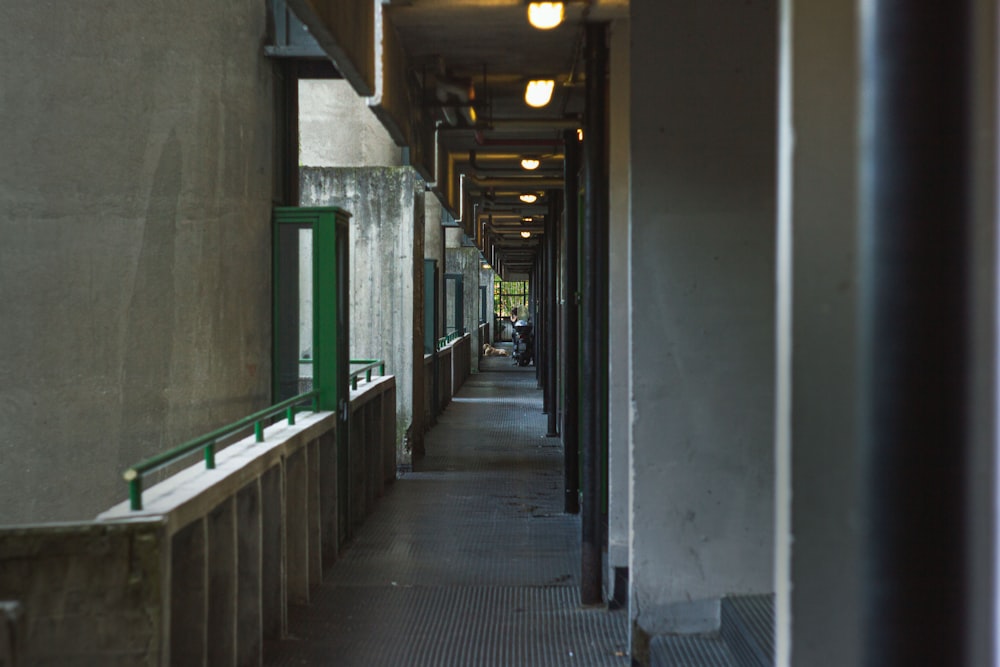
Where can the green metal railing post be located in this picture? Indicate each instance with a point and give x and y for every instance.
(206, 443)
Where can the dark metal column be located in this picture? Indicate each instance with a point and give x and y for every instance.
(551, 311)
(914, 252)
(592, 311)
(571, 322)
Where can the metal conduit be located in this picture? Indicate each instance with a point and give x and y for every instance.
(916, 114)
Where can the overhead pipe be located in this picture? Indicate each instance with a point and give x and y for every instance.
(915, 250)
(483, 141)
(526, 182)
(524, 124)
(515, 169)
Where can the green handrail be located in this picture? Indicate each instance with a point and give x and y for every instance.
(133, 476)
(445, 341)
(369, 365)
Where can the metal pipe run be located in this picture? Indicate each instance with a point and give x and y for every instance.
(916, 220)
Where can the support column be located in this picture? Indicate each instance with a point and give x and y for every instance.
(703, 141)
(551, 315)
(593, 313)
(916, 225)
(571, 323)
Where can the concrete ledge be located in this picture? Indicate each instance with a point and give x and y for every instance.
(204, 574)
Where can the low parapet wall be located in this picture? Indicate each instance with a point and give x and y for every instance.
(205, 572)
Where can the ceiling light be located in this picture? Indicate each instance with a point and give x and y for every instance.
(529, 198)
(538, 93)
(527, 220)
(525, 235)
(530, 163)
(545, 15)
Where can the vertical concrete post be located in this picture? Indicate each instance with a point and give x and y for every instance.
(296, 528)
(249, 598)
(702, 355)
(188, 595)
(274, 618)
(620, 306)
(314, 512)
(817, 502)
(222, 568)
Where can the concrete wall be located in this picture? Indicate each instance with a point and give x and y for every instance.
(205, 572)
(619, 309)
(434, 247)
(464, 259)
(135, 191)
(702, 245)
(387, 205)
(337, 129)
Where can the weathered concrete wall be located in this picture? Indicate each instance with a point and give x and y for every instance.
(434, 247)
(619, 307)
(702, 244)
(90, 593)
(205, 572)
(337, 129)
(387, 205)
(135, 199)
(465, 260)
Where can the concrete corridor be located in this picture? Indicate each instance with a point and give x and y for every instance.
(469, 559)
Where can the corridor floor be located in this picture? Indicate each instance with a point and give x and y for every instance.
(469, 559)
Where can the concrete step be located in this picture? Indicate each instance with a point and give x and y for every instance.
(748, 629)
(690, 651)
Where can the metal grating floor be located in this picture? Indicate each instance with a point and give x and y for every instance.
(468, 560)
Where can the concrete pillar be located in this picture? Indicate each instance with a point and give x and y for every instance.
(702, 245)
(619, 306)
(817, 417)
(150, 180)
(386, 206)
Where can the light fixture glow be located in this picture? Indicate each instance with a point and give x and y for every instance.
(527, 220)
(529, 163)
(545, 15)
(528, 198)
(526, 235)
(486, 266)
(539, 93)
(579, 134)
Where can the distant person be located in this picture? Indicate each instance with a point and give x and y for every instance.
(513, 329)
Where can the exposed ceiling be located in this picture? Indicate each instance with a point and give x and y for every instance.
(479, 55)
